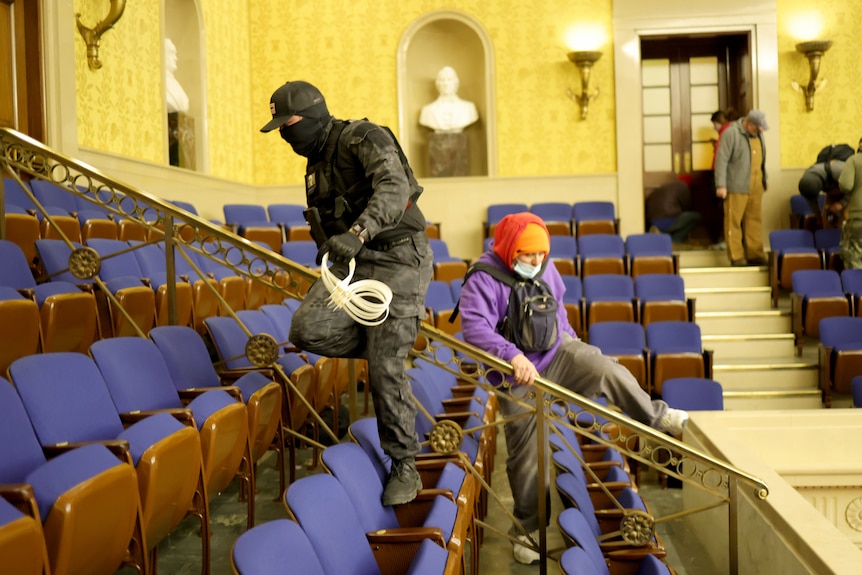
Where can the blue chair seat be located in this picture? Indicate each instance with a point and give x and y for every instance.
(148, 432)
(67, 470)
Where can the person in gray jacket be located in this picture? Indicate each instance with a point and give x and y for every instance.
(740, 180)
(850, 183)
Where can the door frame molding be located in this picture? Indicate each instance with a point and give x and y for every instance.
(634, 20)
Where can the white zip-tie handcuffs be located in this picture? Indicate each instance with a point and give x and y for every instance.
(366, 301)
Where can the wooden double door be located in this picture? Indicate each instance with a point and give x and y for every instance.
(21, 92)
(684, 80)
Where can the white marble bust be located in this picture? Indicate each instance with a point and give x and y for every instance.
(448, 114)
(177, 99)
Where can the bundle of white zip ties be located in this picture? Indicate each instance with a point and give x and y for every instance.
(366, 301)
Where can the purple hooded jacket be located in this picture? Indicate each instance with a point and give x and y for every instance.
(484, 302)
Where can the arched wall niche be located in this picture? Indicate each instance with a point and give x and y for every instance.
(183, 24)
(438, 39)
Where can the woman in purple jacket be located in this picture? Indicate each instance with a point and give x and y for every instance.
(521, 244)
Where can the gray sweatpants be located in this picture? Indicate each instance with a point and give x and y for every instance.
(583, 369)
(407, 270)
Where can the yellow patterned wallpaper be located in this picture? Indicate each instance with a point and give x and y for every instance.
(837, 114)
(348, 49)
(228, 84)
(120, 105)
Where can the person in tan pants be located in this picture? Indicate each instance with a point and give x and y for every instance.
(740, 180)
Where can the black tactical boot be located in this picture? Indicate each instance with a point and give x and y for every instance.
(404, 482)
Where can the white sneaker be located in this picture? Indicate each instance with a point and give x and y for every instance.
(526, 555)
(673, 421)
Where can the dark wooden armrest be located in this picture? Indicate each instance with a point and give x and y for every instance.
(28, 293)
(459, 417)
(627, 562)
(193, 392)
(119, 447)
(624, 549)
(231, 375)
(413, 513)
(465, 390)
(406, 535)
(456, 403)
(21, 496)
(182, 414)
(18, 494)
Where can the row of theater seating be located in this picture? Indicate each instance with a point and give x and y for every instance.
(337, 523)
(817, 294)
(793, 250)
(63, 312)
(172, 370)
(840, 355)
(597, 488)
(803, 217)
(276, 223)
(597, 298)
(578, 219)
(334, 516)
(617, 314)
(633, 255)
(71, 215)
(177, 442)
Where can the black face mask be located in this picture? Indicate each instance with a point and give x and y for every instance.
(303, 136)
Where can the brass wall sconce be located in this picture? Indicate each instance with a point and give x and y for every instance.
(92, 36)
(814, 51)
(584, 60)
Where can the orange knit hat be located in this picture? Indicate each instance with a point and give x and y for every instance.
(520, 233)
(533, 239)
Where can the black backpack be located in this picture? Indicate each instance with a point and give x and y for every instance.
(531, 319)
(835, 152)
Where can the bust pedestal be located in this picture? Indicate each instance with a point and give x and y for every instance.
(181, 140)
(448, 154)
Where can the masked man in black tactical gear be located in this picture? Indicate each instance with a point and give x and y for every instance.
(362, 196)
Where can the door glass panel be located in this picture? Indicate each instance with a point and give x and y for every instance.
(657, 158)
(656, 101)
(702, 129)
(655, 72)
(704, 99)
(657, 129)
(703, 70)
(701, 156)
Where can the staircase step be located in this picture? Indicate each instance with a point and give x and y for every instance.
(769, 321)
(778, 374)
(703, 258)
(788, 382)
(763, 346)
(740, 401)
(725, 277)
(741, 298)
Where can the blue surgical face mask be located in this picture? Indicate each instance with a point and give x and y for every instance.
(526, 270)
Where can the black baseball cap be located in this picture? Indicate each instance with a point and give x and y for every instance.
(289, 100)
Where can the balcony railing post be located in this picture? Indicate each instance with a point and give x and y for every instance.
(541, 451)
(171, 269)
(732, 526)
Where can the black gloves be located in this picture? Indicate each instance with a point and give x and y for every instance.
(342, 248)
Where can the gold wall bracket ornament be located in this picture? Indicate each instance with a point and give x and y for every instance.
(584, 60)
(92, 36)
(814, 51)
